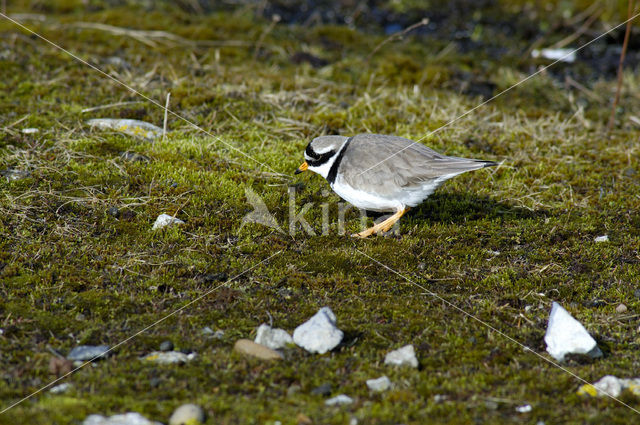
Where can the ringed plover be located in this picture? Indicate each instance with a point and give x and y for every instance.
(382, 173)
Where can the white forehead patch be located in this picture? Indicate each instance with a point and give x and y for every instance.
(323, 150)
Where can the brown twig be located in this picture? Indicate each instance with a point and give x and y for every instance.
(625, 43)
(397, 36)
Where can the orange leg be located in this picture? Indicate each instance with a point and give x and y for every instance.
(384, 226)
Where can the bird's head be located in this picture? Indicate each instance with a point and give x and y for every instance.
(321, 153)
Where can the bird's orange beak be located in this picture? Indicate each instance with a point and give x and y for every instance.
(302, 168)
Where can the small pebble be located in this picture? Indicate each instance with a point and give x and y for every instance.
(272, 337)
(339, 400)
(187, 414)
(303, 419)
(526, 408)
(250, 348)
(83, 353)
(603, 238)
(207, 331)
(168, 357)
(29, 130)
(439, 398)
(621, 308)
(323, 390)
(378, 385)
(127, 126)
(610, 385)
(131, 418)
(405, 356)
(164, 220)
(113, 212)
(62, 388)
(166, 346)
(117, 62)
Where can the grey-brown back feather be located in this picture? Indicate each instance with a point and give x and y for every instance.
(409, 164)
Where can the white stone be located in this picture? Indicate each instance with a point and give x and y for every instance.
(378, 385)
(609, 385)
(525, 408)
(603, 238)
(402, 356)
(165, 220)
(566, 335)
(190, 414)
(88, 352)
(273, 338)
(338, 400)
(168, 357)
(131, 418)
(127, 126)
(320, 333)
(62, 388)
(563, 55)
(30, 130)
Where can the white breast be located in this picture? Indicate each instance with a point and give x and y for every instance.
(404, 197)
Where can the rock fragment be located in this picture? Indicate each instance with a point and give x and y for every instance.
(339, 400)
(561, 54)
(168, 357)
(131, 418)
(273, 338)
(187, 414)
(164, 220)
(612, 386)
(379, 385)
(621, 308)
(250, 348)
(603, 238)
(565, 335)
(323, 390)
(61, 388)
(525, 408)
(130, 127)
(319, 334)
(82, 353)
(405, 356)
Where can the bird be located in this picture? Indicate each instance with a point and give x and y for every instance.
(382, 173)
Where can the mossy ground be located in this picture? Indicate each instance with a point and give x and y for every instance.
(499, 243)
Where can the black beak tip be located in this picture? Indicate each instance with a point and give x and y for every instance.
(298, 171)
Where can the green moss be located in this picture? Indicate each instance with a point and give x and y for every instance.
(500, 243)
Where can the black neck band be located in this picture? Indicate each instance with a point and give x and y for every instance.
(333, 171)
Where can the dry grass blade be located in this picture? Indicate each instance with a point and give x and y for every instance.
(397, 36)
